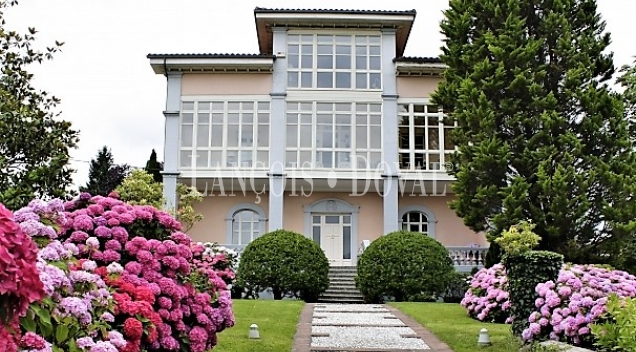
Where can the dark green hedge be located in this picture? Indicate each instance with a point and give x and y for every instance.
(525, 271)
(404, 266)
(287, 262)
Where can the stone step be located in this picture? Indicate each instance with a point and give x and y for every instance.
(342, 275)
(342, 285)
(338, 290)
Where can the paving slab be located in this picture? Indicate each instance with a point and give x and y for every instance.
(361, 327)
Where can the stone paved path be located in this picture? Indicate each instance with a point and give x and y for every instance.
(361, 327)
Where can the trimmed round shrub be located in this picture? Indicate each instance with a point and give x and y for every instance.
(487, 297)
(404, 266)
(288, 263)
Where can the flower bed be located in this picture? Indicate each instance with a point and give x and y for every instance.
(139, 281)
(565, 309)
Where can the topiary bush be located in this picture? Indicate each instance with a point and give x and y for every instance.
(288, 263)
(403, 266)
(525, 271)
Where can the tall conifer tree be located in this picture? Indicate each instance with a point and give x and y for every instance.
(540, 136)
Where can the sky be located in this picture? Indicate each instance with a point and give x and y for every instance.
(110, 94)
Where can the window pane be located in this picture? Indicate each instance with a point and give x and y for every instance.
(305, 136)
(316, 219)
(307, 49)
(405, 161)
(202, 158)
(263, 118)
(343, 80)
(247, 118)
(332, 219)
(292, 79)
(343, 161)
(346, 242)
(375, 82)
(248, 106)
(263, 159)
(203, 135)
(292, 49)
(361, 62)
(292, 136)
(306, 81)
(325, 61)
(247, 136)
(325, 159)
(346, 219)
(361, 80)
(305, 160)
(374, 160)
(216, 158)
(186, 135)
(185, 158)
(217, 118)
(325, 38)
(187, 117)
(343, 137)
(234, 106)
(414, 217)
(306, 61)
(232, 135)
(263, 105)
(361, 137)
(187, 105)
(290, 159)
(374, 62)
(343, 62)
(403, 138)
(324, 138)
(218, 106)
(203, 118)
(325, 49)
(374, 50)
(376, 137)
(316, 234)
(325, 80)
(433, 138)
(448, 142)
(374, 39)
(434, 162)
(263, 135)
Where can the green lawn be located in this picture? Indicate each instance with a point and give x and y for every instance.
(276, 322)
(449, 322)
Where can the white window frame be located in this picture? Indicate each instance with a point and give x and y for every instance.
(370, 51)
(441, 153)
(373, 122)
(238, 208)
(428, 213)
(259, 151)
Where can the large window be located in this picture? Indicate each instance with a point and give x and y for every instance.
(245, 226)
(334, 135)
(224, 134)
(424, 137)
(334, 61)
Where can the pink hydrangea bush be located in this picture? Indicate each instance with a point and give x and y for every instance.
(567, 308)
(20, 283)
(211, 259)
(487, 298)
(153, 253)
(78, 304)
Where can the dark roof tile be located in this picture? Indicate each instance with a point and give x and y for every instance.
(343, 11)
(211, 56)
(418, 59)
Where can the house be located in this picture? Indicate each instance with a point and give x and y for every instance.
(327, 131)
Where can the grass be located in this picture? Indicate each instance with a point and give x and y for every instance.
(276, 322)
(450, 323)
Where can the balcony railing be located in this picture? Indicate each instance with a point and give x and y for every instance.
(465, 258)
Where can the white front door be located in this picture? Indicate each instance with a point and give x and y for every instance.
(333, 233)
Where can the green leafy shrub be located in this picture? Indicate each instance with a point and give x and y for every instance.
(518, 239)
(457, 287)
(525, 271)
(287, 262)
(617, 331)
(403, 266)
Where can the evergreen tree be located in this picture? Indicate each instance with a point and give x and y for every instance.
(104, 176)
(540, 136)
(154, 168)
(34, 142)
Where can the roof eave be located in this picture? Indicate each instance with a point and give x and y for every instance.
(163, 65)
(419, 69)
(264, 21)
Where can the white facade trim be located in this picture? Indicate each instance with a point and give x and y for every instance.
(344, 17)
(430, 216)
(235, 97)
(335, 96)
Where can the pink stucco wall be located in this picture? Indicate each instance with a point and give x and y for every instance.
(226, 84)
(416, 87)
(449, 229)
(215, 211)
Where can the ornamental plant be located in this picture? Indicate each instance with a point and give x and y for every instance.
(209, 260)
(153, 253)
(76, 312)
(487, 298)
(20, 283)
(288, 263)
(404, 266)
(566, 307)
(616, 330)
